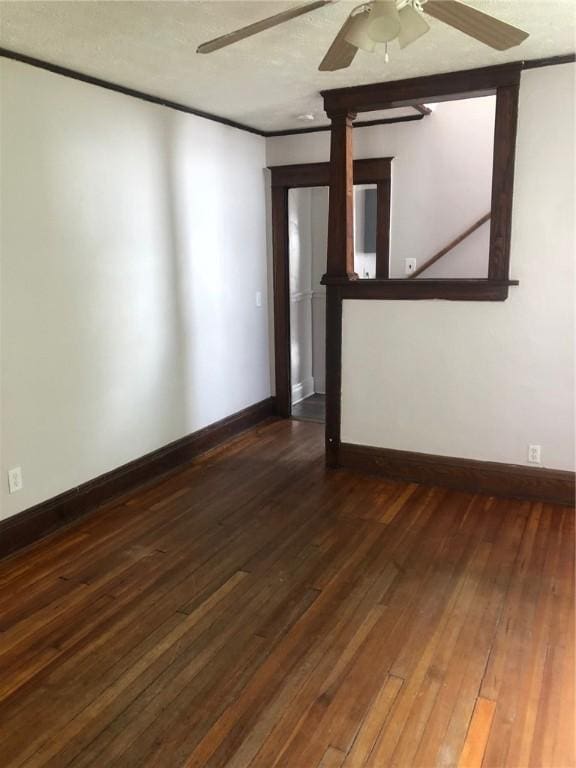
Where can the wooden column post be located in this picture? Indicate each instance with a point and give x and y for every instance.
(503, 181)
(339, 268)
(340, 263)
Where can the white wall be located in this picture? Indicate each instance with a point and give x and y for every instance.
(480, 380)
(441, 181)
(133, 244)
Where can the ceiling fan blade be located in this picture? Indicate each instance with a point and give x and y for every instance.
(341, 53)
(488, 30)
(260, 26)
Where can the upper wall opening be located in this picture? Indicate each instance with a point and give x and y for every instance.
(441, 190)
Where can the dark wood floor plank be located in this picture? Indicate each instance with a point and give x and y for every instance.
(561, 650)
(77, 735)
(327, 621)
(530, 686)
(445, 732)
(436, 650)
(213, 689)
(254, 610)
(398, 604)
(217, 536)
(525, 646)
(111, 520)
(127, 739)
(373, 723)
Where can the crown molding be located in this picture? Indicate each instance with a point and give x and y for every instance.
(132, 92)
(75, 75)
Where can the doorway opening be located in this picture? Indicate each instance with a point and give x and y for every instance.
(307, 243)
(300, 246)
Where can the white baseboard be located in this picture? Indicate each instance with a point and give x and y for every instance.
(302, 390)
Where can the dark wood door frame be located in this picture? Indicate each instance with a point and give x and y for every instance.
(284, 177)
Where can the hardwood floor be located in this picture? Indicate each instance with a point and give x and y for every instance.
(255, 610)
(312, 408)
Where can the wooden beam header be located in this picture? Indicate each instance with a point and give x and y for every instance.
(451, 86)
(369, 171)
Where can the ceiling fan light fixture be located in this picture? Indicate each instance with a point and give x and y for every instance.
(358, 31)
(384, 21)
(412, 26)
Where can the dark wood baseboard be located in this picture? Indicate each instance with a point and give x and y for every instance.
(32, 524)
(492, 478)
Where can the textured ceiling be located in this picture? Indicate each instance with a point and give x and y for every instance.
(265, 81)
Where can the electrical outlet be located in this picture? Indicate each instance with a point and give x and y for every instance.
(535, 454)
(409, 266)
(15, 479)
(258, 299)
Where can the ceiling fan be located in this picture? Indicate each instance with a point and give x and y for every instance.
(381, 21)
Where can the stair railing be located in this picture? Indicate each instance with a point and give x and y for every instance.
(450, 246)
